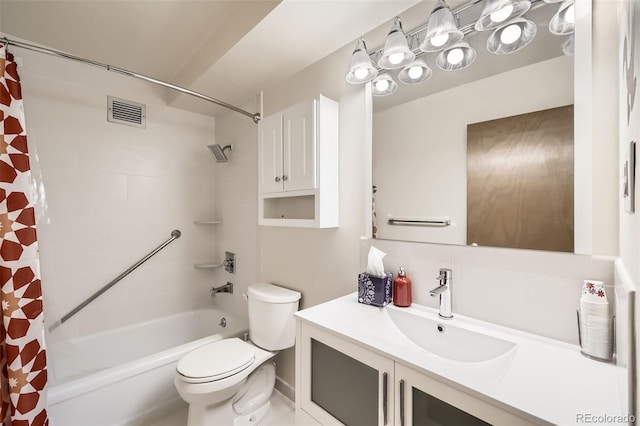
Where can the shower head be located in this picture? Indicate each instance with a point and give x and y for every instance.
(218, 152)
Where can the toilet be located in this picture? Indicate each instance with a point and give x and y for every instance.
(229, 382)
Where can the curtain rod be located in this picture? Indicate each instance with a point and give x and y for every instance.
(3, 40)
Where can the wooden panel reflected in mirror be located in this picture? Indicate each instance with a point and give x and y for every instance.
(520, 179)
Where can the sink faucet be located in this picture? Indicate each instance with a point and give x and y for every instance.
(444, 291)
(227, 288)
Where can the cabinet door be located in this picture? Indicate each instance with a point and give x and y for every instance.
(270, 154)
(299, 171)
(422, 400)
(342, 383)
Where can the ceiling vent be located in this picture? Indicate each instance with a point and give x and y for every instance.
(122, 111)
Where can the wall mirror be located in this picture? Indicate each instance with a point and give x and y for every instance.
(420, 152)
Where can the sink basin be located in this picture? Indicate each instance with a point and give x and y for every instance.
(447, 339)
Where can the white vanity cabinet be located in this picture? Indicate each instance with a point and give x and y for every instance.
(341, 382)
(337, 382)
(423, 400)
(298, 165)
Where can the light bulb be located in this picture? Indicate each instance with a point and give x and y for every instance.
(396, 58)
(510, 34)
(361, 73)
(502, 14)
(415, 72)
(570, 15)
(455, 56)
(440, 40)
(382, 85)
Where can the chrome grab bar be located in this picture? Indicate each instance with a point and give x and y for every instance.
(421, 222)
(175, 234)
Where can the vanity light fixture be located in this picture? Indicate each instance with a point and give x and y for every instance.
(405, 55)
(456, 57)
(511, 37)
(496, 13)
(563, 22)
(416, 72)
(361, 69)
(396, 53)
(383, 85)
(442, 29)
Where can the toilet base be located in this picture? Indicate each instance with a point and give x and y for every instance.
(223, 415)
(254, 418)
(248, 407)
(210, 415)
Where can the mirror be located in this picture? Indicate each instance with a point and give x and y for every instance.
(420, 158)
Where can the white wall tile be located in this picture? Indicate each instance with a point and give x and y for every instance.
(488, 294)
(550, 304)
(534, 291)
(115, 193)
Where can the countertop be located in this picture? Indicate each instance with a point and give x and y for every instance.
(544, 378)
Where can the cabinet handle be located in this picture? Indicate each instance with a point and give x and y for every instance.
(277, 178)
(384, 397)
(401, 402)
(285, 177)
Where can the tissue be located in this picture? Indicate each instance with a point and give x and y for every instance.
(596, 322)
(375, 266)
(374, 285)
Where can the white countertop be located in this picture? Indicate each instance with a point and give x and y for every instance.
(544, 378)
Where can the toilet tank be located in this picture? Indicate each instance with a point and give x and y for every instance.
(271, 322)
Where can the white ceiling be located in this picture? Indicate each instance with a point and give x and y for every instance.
(229, 50)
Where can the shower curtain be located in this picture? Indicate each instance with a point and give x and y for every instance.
(22, 352)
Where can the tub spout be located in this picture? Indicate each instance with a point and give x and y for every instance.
(227, 288)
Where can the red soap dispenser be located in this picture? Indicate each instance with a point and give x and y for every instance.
(402, 289)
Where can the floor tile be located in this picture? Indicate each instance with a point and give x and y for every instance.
(282, 413)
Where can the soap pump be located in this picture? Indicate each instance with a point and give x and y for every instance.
(402, 289)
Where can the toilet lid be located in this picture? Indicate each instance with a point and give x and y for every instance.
(216, 361)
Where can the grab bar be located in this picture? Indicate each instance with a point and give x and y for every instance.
(421, 222)
(175, 234)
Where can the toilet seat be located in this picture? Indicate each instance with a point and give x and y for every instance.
(216, 361)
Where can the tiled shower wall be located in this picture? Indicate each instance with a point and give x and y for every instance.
(113, 194)
(237, 207)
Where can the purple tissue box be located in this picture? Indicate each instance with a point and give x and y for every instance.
(374, 290)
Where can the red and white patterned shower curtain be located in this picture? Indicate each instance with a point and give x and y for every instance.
(22, 352)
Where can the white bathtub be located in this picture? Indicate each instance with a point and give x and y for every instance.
(125, 375)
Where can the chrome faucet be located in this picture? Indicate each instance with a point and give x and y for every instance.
(227, 288)
(444, 291)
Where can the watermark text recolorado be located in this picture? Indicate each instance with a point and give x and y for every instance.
(590, 418)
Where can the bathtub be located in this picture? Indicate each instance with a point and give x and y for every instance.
(125, 376)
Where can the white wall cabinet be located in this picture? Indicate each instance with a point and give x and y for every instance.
(298, 165)
(340, 382)
(288, 150)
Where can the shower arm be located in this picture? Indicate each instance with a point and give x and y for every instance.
(28, 46)
(175, 234)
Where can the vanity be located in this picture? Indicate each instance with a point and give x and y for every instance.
(362, 365)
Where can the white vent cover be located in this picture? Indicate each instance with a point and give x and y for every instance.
(122, 111)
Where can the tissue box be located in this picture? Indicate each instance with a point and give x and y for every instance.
(374, 290)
